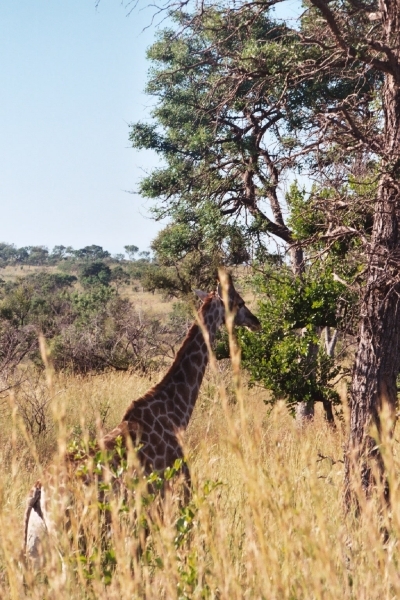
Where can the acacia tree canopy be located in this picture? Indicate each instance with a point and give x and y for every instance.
(236, 103)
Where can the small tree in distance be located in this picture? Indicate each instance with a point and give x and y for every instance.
(131, 251)
(95, 273)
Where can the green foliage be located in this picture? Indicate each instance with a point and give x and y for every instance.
(138, 500)
(50, 283)
(288, 356)
(119, 276)
(230, 85)
(181, 316)
(16, 305)
(90, 302)
(92, 252)
(189, 251)
(304, 219)
(226, 87)
(40, 255)
(131, 251)
(313, 213)
(95, 273)
(203, 132)
(87, 330)
(190, 579)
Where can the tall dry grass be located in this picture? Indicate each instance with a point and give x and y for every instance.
(265, 520)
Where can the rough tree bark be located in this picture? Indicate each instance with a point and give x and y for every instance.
(378, 357)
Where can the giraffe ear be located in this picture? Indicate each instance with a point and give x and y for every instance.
(202, 295)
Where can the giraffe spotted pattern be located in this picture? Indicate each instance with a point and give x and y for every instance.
(155, 421)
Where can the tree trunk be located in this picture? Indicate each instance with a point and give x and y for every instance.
(330, 345)
(297, 260)
(378, 356)
(304, 412)
(327, 404)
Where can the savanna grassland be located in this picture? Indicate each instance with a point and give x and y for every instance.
(265, 520)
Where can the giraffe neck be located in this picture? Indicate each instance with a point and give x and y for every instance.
(190, 364)
(179, 389)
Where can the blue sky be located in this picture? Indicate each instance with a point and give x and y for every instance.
(72, 79)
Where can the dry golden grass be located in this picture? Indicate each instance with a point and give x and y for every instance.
(266, 517)
(12, 272)
(151, 304)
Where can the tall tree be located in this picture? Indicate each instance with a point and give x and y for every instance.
(214, 129)
(367, 35)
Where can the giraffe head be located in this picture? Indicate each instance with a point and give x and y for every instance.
(243, 316)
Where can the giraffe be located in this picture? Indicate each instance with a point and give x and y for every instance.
(155, 421)
(156, 418)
